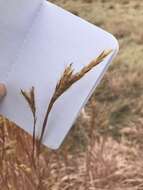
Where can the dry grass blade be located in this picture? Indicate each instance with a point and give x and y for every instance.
(67, 80)
(30, 98)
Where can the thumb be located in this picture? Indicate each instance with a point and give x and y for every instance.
(2, 90)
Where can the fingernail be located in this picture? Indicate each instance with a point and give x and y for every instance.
(2, 90)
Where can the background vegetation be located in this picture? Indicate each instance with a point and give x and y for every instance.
(104, 150)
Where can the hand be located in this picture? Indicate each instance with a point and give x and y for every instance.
(2, 91)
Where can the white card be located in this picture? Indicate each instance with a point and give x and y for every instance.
(56, 39)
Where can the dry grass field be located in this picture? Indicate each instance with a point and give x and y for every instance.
(104, 150)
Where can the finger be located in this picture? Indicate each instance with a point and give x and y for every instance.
(2, 91)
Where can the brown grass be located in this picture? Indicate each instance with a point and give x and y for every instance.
(30, 98)
(105, 164)
(67, 80)
(113, 159)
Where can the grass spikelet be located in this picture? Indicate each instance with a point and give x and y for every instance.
(30, 98)
(67, 80)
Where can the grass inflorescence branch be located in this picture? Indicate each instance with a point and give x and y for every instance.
(68, 78)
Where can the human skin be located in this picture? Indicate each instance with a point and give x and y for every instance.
(2, 91)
